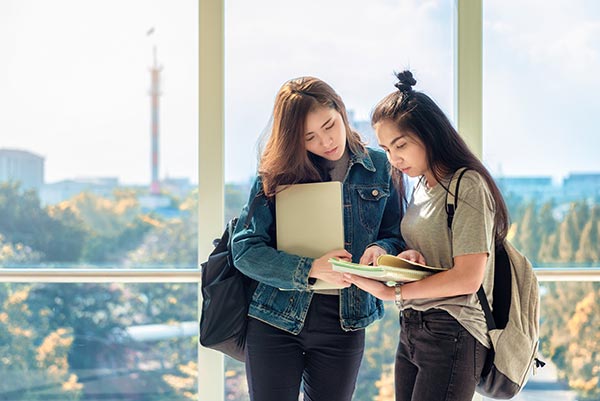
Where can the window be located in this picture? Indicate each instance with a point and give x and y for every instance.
(94, 168)
(76, 175)
(98, 341)
(355, 48)
(540, 140)
(540, 125)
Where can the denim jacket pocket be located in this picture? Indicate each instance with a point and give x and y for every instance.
(371, 204)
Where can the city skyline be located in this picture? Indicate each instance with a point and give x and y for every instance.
(75, 90)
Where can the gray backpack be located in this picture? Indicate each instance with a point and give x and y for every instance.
(513, 322)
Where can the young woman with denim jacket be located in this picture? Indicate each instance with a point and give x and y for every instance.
(296, 335)
(443, 333)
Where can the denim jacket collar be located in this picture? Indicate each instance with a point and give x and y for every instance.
(361, 158)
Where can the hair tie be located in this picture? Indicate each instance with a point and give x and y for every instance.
(405, 82)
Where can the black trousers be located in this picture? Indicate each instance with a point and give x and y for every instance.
(323, 357)
(437, 359)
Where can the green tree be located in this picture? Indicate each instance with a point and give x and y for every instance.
(568, 235)
(527, 238)
(569, 335)
(34, 363)
(112, 226)
(589, 251)
(548, 248)
(17, 254)
(24, 221)
(582, 356)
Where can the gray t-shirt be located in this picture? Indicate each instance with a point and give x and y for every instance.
(425, 228)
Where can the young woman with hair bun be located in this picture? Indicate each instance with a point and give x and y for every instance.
(443, 337)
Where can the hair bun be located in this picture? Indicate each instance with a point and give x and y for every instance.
(405, 81)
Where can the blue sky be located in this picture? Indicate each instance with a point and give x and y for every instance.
(541, 84)
(74, 77)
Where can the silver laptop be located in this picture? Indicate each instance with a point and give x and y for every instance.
(310, 220)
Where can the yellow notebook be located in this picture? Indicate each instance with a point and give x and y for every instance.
(310, 220)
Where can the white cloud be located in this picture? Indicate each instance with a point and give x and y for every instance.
(558, 37)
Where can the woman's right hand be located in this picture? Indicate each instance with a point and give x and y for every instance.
(413, 256)
(321, 268)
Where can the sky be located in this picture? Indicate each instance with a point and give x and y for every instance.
(74, 77)
(75, 80)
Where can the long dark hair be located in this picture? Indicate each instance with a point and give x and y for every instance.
(417, 114)
(285, 159)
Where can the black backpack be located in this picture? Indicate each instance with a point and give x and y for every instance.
(513, 325)
(226, 296)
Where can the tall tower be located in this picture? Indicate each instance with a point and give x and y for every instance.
(154, 96)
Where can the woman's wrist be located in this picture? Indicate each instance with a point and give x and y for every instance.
(398, 299)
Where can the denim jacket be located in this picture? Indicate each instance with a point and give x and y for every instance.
(283, 295)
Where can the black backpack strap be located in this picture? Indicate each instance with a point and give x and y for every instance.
(452, 194)
(233, 222)
(252, 207)
(451, 205)
(489, 317)
(260, 196)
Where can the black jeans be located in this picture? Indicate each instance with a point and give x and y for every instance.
(322, 356)
(437, 359)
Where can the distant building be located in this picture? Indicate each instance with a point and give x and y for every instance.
(526, 187)
(154, 202)
(363, 127)
(22, 166)
(57, 192)
(582, 185)
(177, 186)
(574, 188)
(534, 188)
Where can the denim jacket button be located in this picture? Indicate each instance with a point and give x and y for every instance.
(375, 192)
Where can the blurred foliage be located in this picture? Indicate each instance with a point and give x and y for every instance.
(23, 221)
(57, 340)
(569, 334)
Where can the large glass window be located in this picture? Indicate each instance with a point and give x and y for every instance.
(98, 156)
(98, 168)
(540, 125)
(98, 342)
(355, 47)
(540, 141)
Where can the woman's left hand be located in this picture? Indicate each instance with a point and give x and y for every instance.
(374, 287)
(371, 254)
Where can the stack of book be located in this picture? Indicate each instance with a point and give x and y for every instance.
(389, 269)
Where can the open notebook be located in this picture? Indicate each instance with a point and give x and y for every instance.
(310, 220)
(389, 269)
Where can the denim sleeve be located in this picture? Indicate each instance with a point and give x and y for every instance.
(389, 236)
(254, 254)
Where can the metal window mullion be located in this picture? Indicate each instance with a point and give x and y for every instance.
(469, 73)
(211, 381)
(94, 275)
